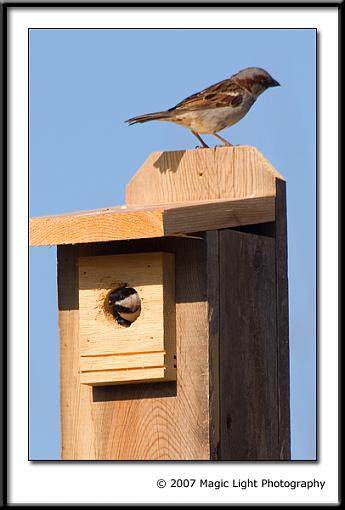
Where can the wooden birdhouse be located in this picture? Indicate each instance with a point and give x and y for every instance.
(173, 313)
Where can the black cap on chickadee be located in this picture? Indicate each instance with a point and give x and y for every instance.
(125, 305)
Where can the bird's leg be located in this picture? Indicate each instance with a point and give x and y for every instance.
(200, 139)
(228, 144)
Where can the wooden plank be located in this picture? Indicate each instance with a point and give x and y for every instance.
(152, 275)
(155, 421)
(248, 348)
(122, 361)
(99, 332)
(155, 427)
(282, 323)
(77, 432)
(99, 226)
(205, 174)
(105, 377)
(169, 322)
(212, 239)
(132, 223)
(218, 214)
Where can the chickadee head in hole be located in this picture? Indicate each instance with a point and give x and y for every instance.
(125, 305)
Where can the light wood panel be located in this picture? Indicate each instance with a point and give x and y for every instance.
(140, 421)
(204, 174)
(116, 347)
(105, 377)
(77, 427)
(118, 223)
(91, 226)
(121, 361)
(218, 214)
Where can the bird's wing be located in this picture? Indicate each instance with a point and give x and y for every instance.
(223, 93)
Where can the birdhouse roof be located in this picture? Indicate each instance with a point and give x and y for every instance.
(175, 193)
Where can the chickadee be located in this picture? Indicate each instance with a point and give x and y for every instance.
(125, 305)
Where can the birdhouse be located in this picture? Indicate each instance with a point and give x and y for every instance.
(173, 313)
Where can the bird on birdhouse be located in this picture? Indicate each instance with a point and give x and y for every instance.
(217, 107)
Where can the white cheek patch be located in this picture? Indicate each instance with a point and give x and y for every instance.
(130, 316)
(132, 302)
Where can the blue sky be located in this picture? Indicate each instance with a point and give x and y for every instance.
(83, 85)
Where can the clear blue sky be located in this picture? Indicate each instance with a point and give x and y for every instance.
(83, 85)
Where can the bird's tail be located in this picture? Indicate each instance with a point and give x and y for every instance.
(149, 116)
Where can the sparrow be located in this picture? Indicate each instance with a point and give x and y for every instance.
(217, 107)
(125, 305)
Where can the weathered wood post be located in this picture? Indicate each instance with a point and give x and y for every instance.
(203, 373)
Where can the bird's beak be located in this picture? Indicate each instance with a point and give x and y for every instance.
(275, 83)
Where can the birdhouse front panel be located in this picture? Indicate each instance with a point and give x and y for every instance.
(127, 318)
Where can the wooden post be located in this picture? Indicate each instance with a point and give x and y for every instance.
(221, 214)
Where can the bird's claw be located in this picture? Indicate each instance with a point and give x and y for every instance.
(229, 145)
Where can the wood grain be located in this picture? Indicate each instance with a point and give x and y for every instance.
(77, 430)
(169, 322)
(165, 421)
(121, 361)
(137, 223)
(99, 332)
(282, 302)
(213, 297)
(204, 174)
(248, 348)
(116, 347)
(101, 225)
(218, 214)
(173, 427)
(105, 377)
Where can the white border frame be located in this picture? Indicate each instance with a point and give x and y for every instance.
(135, 483)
